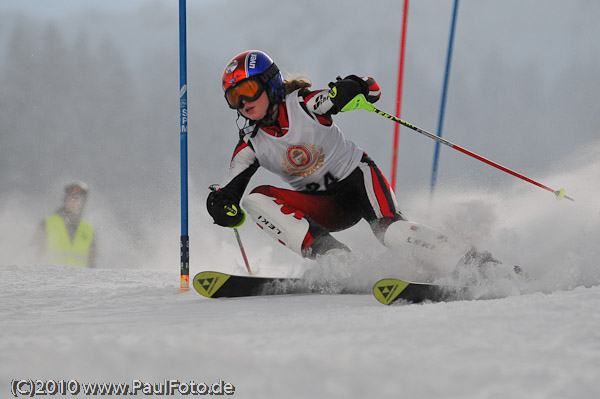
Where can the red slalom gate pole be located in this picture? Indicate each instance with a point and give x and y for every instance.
(399, 94)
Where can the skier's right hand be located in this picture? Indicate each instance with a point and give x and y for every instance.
(225, 210)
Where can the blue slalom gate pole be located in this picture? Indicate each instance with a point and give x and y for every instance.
(183, 112)
(443, 105)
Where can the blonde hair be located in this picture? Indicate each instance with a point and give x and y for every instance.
(292, 83)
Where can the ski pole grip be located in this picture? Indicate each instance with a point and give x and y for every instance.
(358, 102)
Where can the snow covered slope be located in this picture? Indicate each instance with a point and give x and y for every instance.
(122, 325)
(125, 325)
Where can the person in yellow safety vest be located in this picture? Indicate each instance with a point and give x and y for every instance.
(64, 238)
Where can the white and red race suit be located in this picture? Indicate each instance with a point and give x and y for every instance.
(334, 182)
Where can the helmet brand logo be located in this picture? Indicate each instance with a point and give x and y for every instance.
(252, 62)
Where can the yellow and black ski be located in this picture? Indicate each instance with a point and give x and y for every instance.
(390, 290)
(223, 285)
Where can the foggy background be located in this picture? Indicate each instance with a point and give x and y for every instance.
(91, 93)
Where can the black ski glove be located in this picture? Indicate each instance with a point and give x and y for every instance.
(369, 87)
(344, 90)
(225, 209)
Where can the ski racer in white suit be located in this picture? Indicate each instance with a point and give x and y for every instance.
(289, 130)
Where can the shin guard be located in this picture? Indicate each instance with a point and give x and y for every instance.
(289, 228)
(424, 242)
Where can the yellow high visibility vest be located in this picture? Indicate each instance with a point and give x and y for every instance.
(60, 250)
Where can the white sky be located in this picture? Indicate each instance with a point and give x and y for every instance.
(55, 8)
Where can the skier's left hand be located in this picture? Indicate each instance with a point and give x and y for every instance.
(369, 87)
(344, 90)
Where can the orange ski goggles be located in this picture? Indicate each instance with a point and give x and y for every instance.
(246, 90)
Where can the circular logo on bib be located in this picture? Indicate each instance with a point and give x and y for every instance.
(298, 156)
(303, 159)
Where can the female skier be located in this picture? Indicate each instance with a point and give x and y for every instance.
(288, 129)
